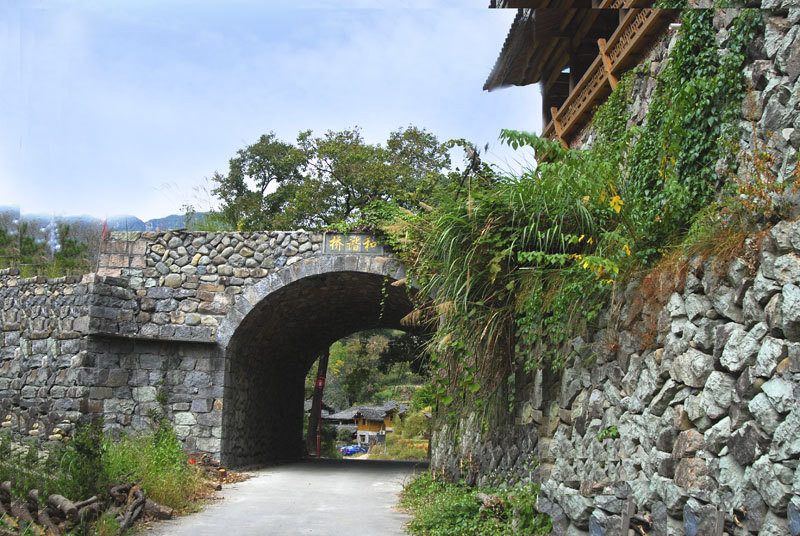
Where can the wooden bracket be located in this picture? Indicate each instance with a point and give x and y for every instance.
(558, 127)
(601, 44)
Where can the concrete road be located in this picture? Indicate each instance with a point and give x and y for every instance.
(319, 497)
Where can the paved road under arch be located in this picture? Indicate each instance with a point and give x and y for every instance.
(311, 497)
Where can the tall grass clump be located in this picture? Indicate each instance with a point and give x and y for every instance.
(90, 462)
(157, 462)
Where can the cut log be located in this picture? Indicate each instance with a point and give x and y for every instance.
(45, 521)
(215, 486)
(5, 492)
(90, 512)
(158, 511)
(133, 509)
(33, 500)
(64, 505)
(120, 493)
(20, 511)
(91, 500)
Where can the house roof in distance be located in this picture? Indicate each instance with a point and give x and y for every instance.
(373, 413)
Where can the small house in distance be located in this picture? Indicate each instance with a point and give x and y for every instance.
(326, 409)
(372, 422)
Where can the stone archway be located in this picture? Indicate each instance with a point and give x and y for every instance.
(278, 328)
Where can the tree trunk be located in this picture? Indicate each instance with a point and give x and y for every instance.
(316, 405)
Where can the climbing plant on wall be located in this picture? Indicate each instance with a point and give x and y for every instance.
(526, 262)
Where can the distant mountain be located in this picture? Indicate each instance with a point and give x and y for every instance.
(124, 222)
(132, 223)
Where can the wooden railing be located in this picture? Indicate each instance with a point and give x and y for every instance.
(619, 53)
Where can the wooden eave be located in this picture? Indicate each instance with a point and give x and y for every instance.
(539, 41)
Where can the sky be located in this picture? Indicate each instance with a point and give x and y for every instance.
(129, 107)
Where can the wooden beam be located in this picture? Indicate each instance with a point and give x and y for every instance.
(558, 127)
(601, 44)
(625, 522)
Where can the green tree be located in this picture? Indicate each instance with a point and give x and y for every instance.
(405, 348)
(72, 256)
(247, 199)
(31, 250)
(330, 179)
(7, 251)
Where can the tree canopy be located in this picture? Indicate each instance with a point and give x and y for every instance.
(325, 180)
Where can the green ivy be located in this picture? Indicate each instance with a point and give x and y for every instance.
(512, 268)
(670, 174)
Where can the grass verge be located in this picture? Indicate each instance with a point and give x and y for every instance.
(453, 509)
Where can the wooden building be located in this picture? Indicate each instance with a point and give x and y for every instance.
(373, 422)
(576, 50)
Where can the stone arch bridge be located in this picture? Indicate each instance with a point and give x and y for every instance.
(215, 330)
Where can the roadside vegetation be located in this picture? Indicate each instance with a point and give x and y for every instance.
(442, 508)
(106, 479)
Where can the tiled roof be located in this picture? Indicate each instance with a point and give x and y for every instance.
(373, 413)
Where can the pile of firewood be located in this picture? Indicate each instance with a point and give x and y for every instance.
(58, 514)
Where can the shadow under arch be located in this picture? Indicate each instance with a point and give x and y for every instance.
(278, 328)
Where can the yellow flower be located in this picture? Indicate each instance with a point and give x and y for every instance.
(590, 240)
(616, 203)
(581, 238)
(585, 264)
(626, 249)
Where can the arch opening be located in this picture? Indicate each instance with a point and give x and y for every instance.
(272, 348)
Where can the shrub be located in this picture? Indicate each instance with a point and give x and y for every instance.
(416, 425)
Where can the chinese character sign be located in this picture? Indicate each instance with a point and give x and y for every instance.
(353, 243)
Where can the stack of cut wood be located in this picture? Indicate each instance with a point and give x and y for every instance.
(58, 515)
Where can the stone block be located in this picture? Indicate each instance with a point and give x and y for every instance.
(144, 394)
(688, 443)
(201, 405)
(775, 493)
(764, 413)
(692, 368)
(185, 418)
(793, 515)
(717, 394)
(741, 350)
(786, 440)
(781, 393)
(699, 519)
(748, 443)
(692, 473)
(100, 392)
(716, 437)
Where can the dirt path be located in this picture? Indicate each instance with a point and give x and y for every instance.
(319, 497)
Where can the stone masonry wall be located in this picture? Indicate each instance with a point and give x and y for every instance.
(684, 409)
(184, 282)
(153, 330)
(43, 355)
(704, 419)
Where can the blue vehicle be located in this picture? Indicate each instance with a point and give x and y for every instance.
(352, 449)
